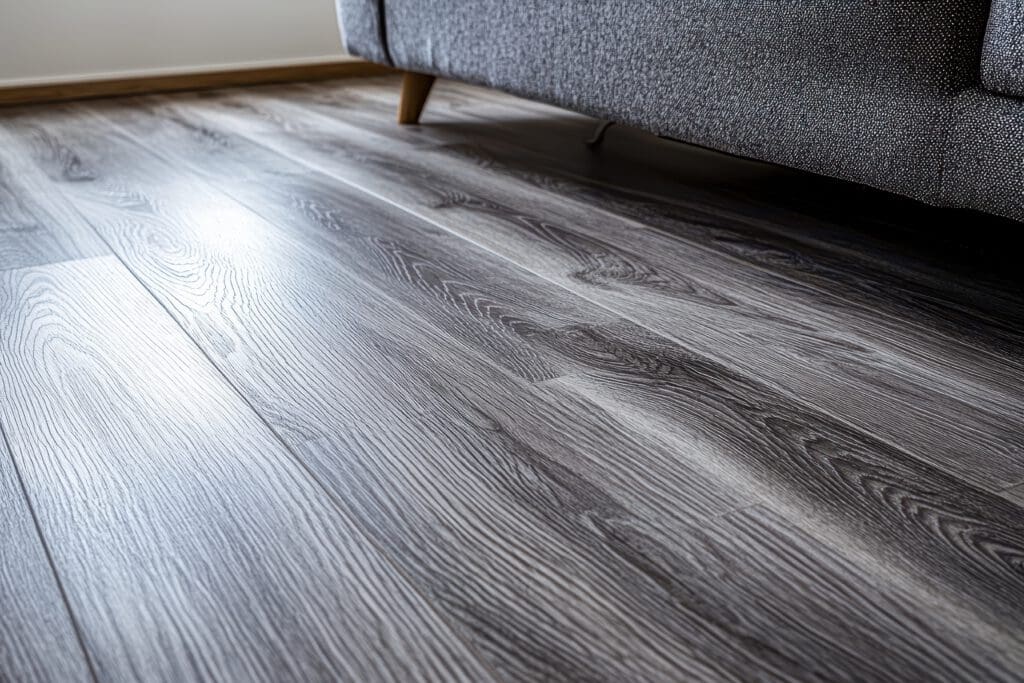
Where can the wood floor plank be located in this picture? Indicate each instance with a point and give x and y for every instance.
(409, 480)
(862, 494)
(373, 239)
(718, 227)
(898, 385)
(933, 307)
(38, 232)
(191, 544)
(842, 229)
(779, 562)
(711, 200)
(38, 642)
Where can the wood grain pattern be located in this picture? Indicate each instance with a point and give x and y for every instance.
(38, 642)
(580, 497)
(824, 238)
(481, 302)
(923, 477)
(868, 496)
(841, 238)
(364, 368)
(807, 345)
(192, 546)
(461, 458)
(229, 159)
(781, 581)
(35, 232)
(753, 232)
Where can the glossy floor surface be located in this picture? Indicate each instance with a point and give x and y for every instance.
(292, 393)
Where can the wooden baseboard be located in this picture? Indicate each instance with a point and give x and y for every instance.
(34, 94)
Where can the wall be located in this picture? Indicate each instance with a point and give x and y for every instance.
(62, 40)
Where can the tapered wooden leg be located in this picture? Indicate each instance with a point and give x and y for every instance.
(415, 88)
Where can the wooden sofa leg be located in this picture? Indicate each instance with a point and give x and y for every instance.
(415, 88)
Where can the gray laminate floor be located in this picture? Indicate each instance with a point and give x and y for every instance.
(292, 393)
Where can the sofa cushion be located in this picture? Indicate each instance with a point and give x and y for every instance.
(1002, 62)
(858, 90)
(984, 148)
(363, 29)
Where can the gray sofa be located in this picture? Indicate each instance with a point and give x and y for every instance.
(920, 97)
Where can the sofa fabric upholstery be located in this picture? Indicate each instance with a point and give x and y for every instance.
(882, 92)
(984, 166)
(362, 29)
(1002, 64)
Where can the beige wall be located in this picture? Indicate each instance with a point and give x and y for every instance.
(60, 40)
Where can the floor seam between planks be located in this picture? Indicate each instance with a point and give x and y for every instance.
(75, 626)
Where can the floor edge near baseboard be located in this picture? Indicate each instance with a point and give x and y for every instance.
(137, 85)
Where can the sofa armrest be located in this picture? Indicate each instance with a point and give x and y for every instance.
(363, 29)
(1002, 60)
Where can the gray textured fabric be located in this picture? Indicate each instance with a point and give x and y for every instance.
(882, 92)
(361, 29)
(1002, 63)
(985, 155)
